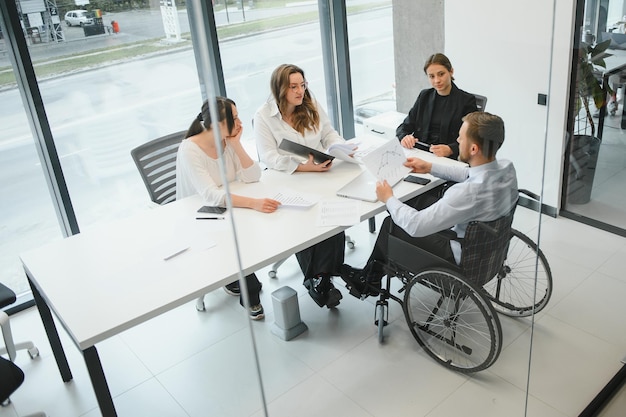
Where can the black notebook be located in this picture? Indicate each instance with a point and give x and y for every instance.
(304, 151)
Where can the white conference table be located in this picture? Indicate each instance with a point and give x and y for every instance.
(113, 277)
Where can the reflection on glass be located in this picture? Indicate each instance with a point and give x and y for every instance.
(28, 217)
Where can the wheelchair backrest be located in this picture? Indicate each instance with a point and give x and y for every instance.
(484, 248)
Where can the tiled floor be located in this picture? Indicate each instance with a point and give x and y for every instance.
(187, 363)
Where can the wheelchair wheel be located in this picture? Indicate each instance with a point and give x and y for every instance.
(452, 321)
(512, 291)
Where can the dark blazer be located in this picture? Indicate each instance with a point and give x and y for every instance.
(417, 122)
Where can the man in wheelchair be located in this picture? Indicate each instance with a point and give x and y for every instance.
(483, 191)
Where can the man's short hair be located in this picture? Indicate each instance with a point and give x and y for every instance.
(486, 130)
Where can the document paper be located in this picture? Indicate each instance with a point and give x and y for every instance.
(387, 162)
(339, 213)
(290, 198)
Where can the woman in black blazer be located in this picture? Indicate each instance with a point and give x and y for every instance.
(435, 118)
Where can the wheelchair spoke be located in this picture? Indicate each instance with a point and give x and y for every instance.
(513, 290)
(450, 320)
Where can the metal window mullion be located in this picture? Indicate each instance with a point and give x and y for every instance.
(37, 118)
(336, 57)
(204, 32)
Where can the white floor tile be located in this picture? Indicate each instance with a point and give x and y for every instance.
(491, 397)
(314, 397)
(569, 366)
(593, 318)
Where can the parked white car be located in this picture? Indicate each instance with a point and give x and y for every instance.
(78, 18)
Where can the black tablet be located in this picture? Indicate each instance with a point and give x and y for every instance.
(304, 151)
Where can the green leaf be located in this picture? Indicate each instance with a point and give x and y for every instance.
(600, 47)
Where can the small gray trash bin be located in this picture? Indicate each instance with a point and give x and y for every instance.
(287, 323)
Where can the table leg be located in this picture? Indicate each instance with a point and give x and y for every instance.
(99, 382)
(372, 224)
(51, 332)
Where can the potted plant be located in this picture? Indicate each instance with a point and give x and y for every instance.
(588, 84)
(585, 144)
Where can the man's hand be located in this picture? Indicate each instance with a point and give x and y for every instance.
(311, 166)
(418, 165)
(441, 150)
(383, 191)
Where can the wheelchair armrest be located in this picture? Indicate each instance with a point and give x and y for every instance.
(529, 194)
(448, 234)
(413, 258)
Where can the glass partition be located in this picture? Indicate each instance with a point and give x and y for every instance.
(113, 76)
(596, 154)
(130, 75)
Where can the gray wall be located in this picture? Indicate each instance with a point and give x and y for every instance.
(424, 20)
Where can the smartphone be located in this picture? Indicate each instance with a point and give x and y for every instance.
(416, 180)
(423, 146)
(212, 209)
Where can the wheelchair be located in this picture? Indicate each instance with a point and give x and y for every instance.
(451, 310)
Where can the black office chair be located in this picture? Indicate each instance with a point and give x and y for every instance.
(7, 297)
(11, 377)
(481, 102)
(156, 162)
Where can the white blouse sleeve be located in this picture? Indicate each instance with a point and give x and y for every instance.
(268, 137)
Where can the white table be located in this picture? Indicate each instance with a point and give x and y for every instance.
(113, 277)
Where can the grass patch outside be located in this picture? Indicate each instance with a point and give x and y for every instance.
(105, 56)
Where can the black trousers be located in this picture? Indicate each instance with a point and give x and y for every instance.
(324, 258)
(436, 244)
(254, 288)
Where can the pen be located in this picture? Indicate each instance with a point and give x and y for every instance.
(168, 257)
(210, 218)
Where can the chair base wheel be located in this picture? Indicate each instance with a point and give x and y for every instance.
(200, 304)
(33, 352)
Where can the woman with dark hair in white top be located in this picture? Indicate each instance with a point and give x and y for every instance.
(197, 172)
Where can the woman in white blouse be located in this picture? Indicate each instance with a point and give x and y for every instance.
(292, 113)
(197, 172)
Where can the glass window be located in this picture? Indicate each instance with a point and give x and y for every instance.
(275, 34)
(370, 31)
(28, 217)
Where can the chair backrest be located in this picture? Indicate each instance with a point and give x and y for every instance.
(484, 248)
(481, 102)
(156, 162)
